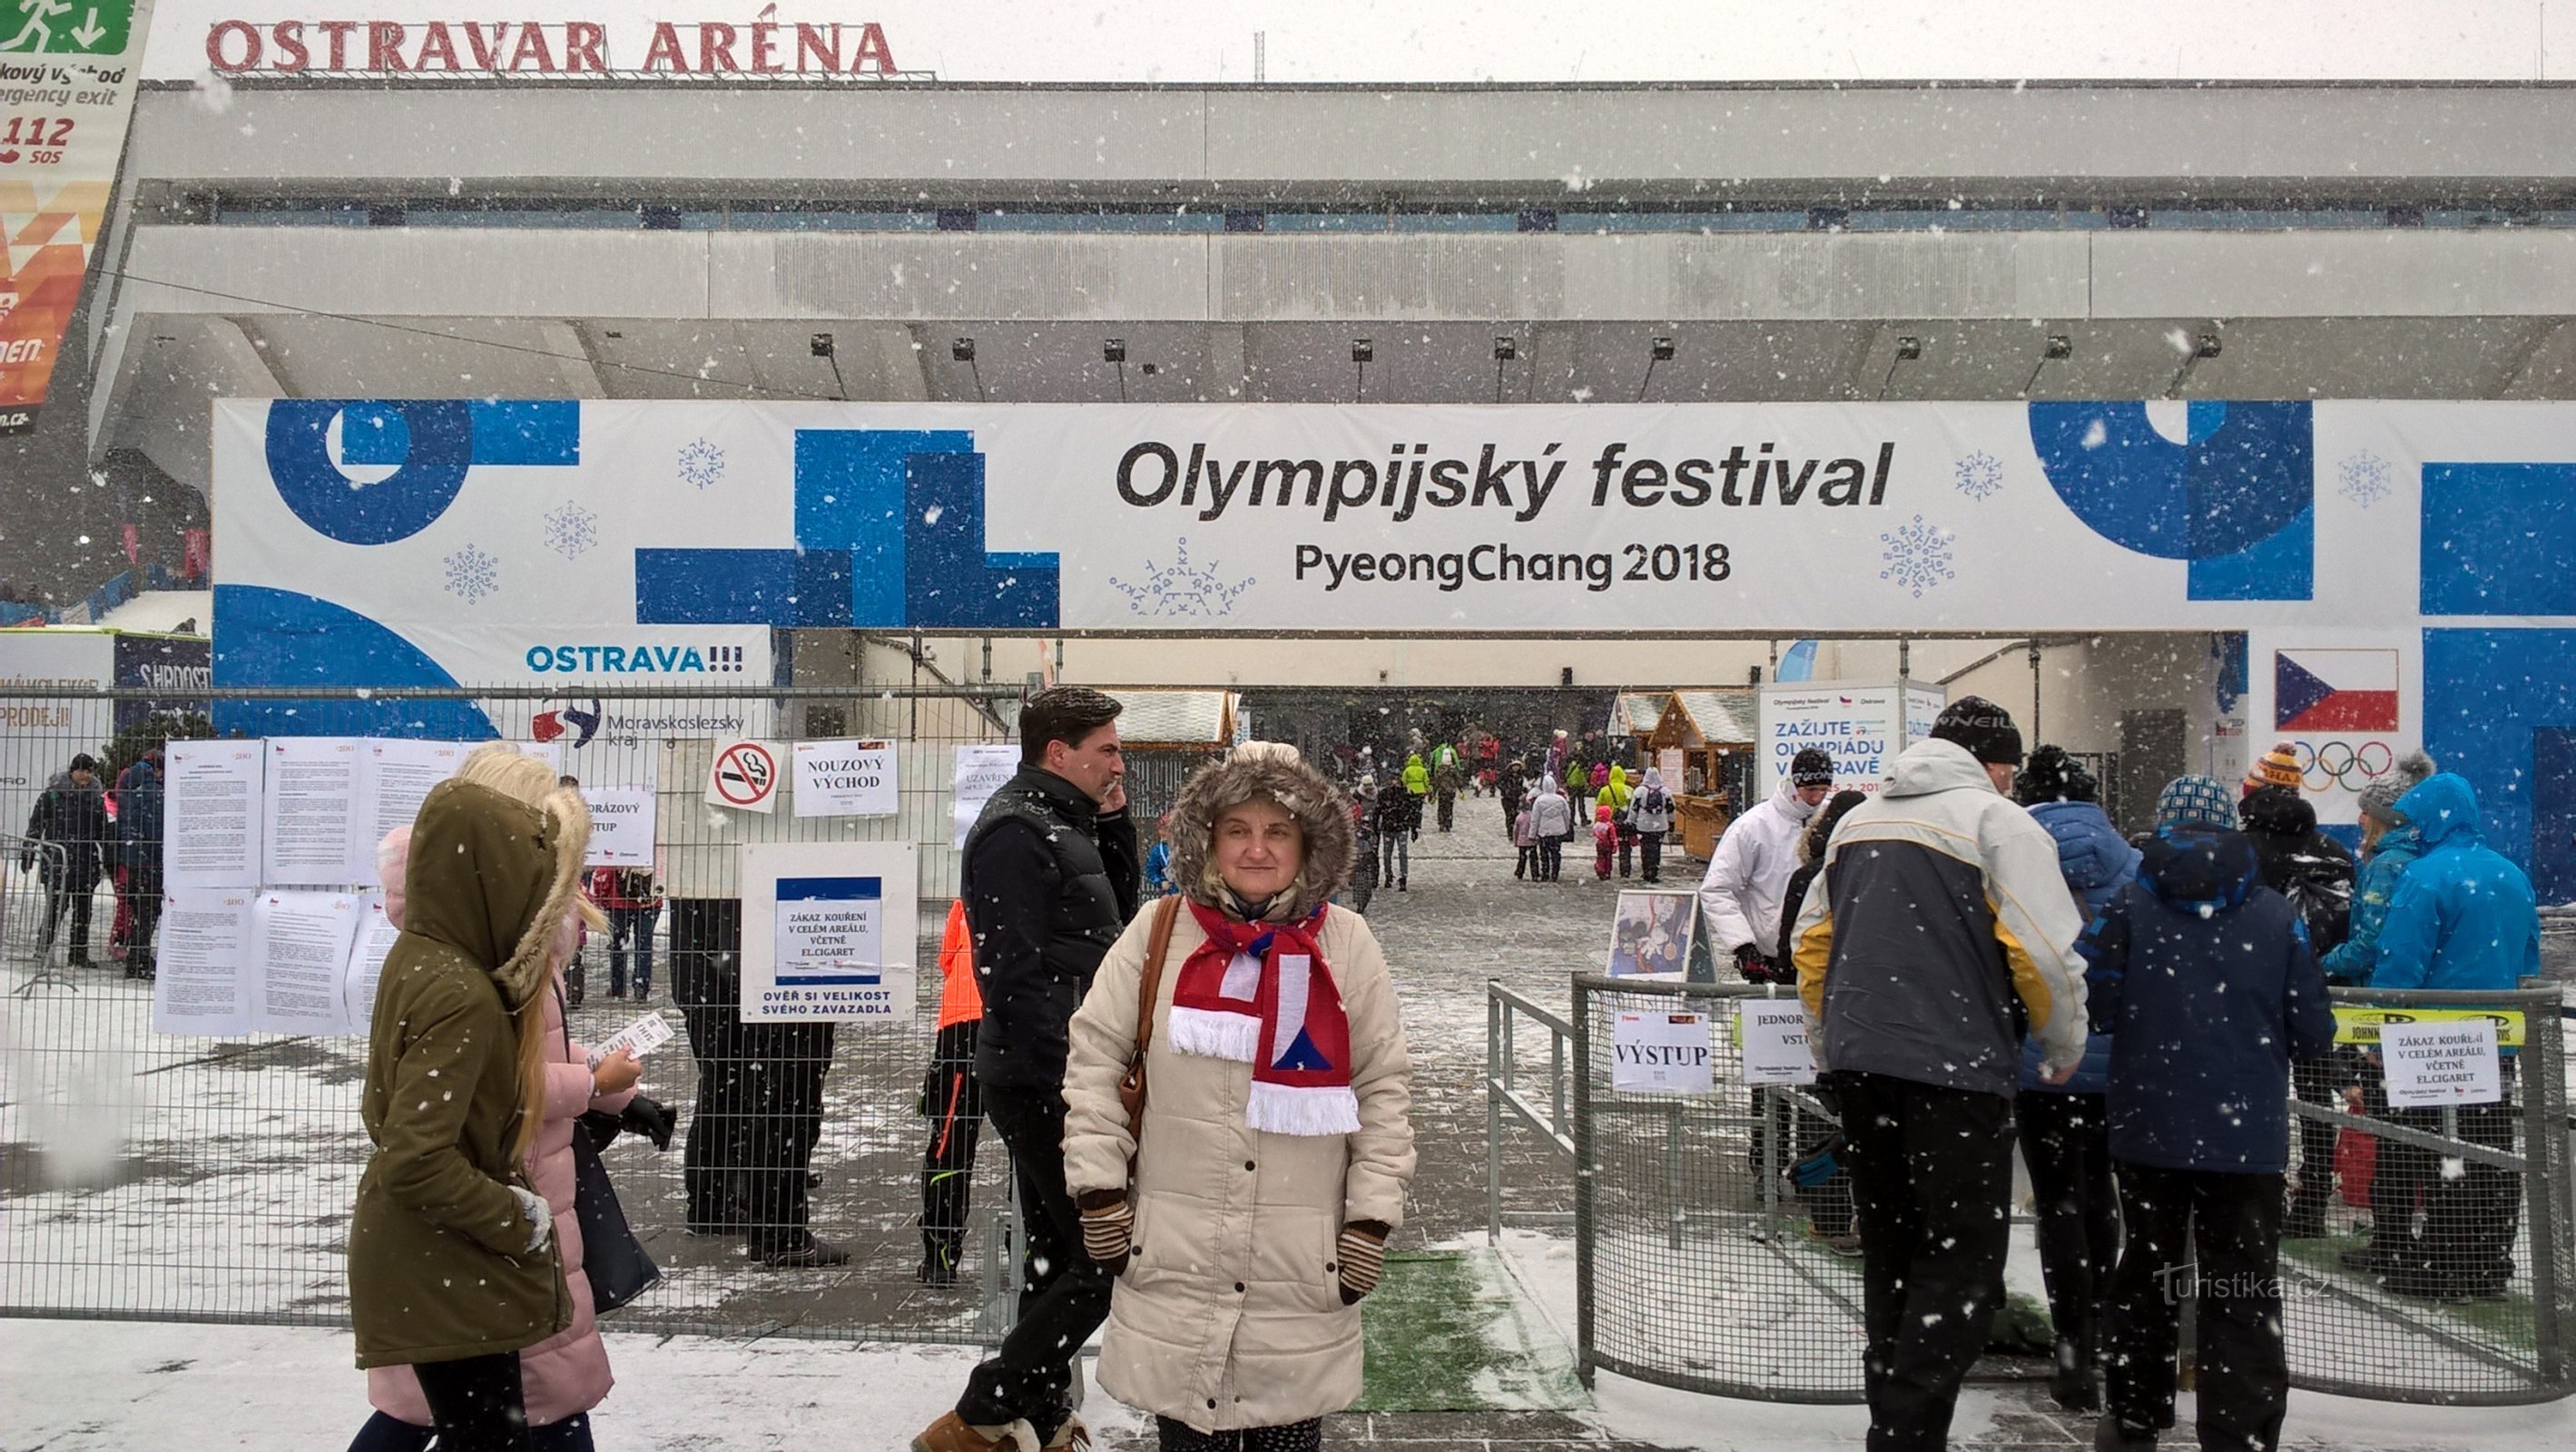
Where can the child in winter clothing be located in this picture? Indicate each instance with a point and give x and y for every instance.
(1605, 840)
(1525, 837)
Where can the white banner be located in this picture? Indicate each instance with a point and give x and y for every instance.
(2432, 1064)
(1855, 723)
(621, 827)
(981, 771)
(1773, 1036)
(660, 541)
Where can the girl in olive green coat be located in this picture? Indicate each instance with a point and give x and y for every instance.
(451, 1265)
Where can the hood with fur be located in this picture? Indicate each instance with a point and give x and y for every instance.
(1253, 770)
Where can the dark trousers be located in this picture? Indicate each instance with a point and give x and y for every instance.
(2216, 1238)
(760, 1088)
(476, 1404)
(955, 1107)
(70, 890)
(389, 1434)
(1396, 849)
(1064, 1294)
(1305, 1436)
(2066, 1141)
(1931, 1174)
(1627, 850)
(1551, 858)
(631, 926)
(2467, 1240)
(143, 897)
(1650, 856)
(1527, 865)
(1448, 809)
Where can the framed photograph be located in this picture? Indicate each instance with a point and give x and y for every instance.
(1650, 936)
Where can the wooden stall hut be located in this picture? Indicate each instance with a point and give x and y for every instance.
(1714, 730)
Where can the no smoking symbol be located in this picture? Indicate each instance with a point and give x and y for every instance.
(744, 774)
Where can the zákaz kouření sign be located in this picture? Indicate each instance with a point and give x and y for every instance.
(732, 49)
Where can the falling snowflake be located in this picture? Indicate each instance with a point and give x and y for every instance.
(1917, 556)
(1979, 475)
(472, 574)
(571, 530)
(1181, 588)
(701, 463)
(2366, 478)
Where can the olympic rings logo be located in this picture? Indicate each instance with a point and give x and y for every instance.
(2327, 764)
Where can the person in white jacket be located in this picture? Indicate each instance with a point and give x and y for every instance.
(1739, 899)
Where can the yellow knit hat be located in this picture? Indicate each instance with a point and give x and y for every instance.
(2278, 767)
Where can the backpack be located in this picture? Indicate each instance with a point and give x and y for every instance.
(2324, 906)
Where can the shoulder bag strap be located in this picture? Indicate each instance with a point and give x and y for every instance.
(1131, 1088)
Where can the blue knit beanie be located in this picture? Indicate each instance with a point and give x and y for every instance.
(2194, 801)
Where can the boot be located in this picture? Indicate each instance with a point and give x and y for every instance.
(952, 1433)
(2109, 1435)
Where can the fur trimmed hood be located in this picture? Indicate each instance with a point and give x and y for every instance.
(1262, 769)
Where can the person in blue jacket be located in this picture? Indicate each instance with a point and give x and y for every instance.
(2065, 1131)
(2204, 978)
(2463, 918)
(2389, 843)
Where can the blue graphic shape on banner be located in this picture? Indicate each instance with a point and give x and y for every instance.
(783, 588)
(1797, 663)
(2283, 567)
(2488, 694)
(2235, 498)
(2497, 539)
(429, 446)
(889, 535)
(949, 579)
(850, 892)
(283, 638)
(851, 494)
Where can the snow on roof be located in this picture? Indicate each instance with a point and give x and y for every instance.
(163, 611)
(1182, 718)
(1721, 716)
(1636, 712)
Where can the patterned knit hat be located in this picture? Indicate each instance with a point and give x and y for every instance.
(2277, 767)
(2379, 799)
(1811, 768)
(2194, 801)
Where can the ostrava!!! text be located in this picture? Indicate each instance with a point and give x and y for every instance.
(1153, 473)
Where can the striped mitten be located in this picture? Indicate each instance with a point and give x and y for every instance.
(1362, 1249)
(1108, 1229)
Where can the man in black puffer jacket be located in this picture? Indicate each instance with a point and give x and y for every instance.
(1050, 881)
(2315, 872)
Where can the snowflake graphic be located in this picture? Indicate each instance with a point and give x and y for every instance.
(472, 574)
(571, 530)
(701, 463)
(1979, 476)
(1917, 556)
(2366, 478)
(1181, 588)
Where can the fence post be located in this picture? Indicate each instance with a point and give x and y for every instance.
(2545, 1134)
(1497, 1061)
(1584, 1182)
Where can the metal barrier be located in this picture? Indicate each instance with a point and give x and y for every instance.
(2473, 1208)
(1507, 1016)
(184, 1178)
(1697, 1265)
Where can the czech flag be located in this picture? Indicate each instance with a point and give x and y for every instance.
(2334, 690)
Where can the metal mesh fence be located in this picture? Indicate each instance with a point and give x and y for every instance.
(145, 1174)
(1703, 1265)
(2440, 1266)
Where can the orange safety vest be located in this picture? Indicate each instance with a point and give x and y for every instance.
(961, 999)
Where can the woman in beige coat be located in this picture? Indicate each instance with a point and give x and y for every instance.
(1276, 1145)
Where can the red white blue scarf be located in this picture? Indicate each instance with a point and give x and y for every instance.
(1260, 994)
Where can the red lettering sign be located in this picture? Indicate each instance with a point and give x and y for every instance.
(764, 47)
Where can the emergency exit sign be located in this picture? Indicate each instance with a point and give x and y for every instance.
(65, 27)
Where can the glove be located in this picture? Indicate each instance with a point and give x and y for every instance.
(650, 1118)
(1362, 1252)
(541, 1221)
(1108, 1229)
(1750, 962)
